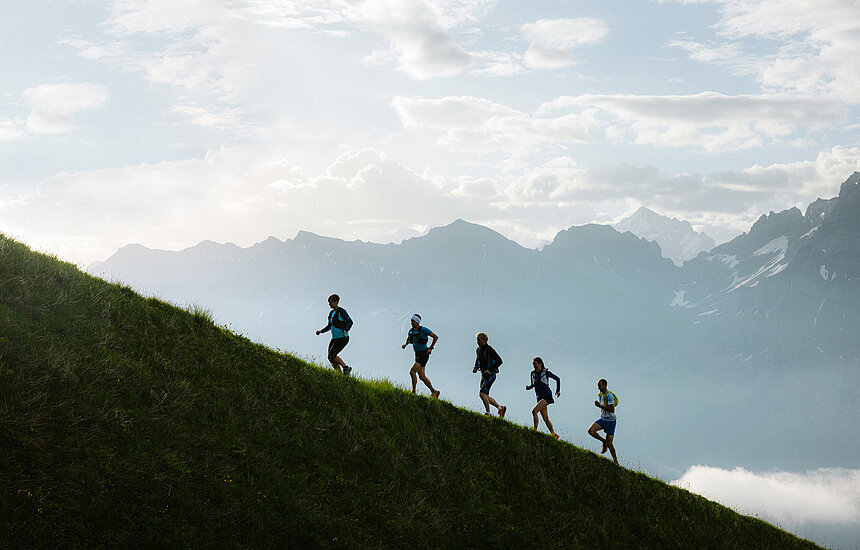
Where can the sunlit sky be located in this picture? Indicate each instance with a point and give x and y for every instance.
(168, 122)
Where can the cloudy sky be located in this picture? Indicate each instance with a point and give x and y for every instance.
(167, 122)
(821, 505)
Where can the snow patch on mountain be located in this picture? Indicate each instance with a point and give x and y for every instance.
(679, 299)
(776, 269)
(810, 232)
(778, 245)
(729, 260)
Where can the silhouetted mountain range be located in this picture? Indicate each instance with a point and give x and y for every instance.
(775, 307)
(791, 283)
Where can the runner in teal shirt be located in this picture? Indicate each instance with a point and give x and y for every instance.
(339, 324)
(419, 336)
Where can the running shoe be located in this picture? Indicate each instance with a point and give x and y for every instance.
(487, 413)
(555, 436)
(436, 394)
(347, 369)
(502, 411)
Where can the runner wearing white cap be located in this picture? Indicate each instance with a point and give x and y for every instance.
(418, 336)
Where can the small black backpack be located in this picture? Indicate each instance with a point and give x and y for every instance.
(339, 323)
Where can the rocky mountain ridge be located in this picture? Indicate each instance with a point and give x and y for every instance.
(775, 308)
(792, 278)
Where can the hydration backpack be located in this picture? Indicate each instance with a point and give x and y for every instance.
(339, 323)
(416, 336)
(614, 397)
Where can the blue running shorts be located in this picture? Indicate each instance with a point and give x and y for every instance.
(607, 425)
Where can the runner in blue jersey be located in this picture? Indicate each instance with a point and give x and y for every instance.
(488, 362)
(419, 336)
(540, 382)
(606, 402)
(339, 324)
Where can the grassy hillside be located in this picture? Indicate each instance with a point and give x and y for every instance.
(128, 422)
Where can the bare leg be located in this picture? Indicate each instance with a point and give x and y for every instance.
(539, 408)
(545, 414)
(419, 370)
(607, 442)
(338, 363)
(610, 443)
(424, 379)
(485, 399)
(592, 431)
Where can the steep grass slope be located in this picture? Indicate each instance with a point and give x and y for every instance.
(128, 422)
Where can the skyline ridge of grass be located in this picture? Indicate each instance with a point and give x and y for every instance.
(129, 422)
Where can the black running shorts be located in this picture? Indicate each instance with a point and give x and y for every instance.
(421, 357)
(548, 398)
(336, 346)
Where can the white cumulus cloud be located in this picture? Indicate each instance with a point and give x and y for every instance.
(708, 120)
(482, 126)
(54, 106)
(243, 195)
(552, 41)
(423, 46)
(206, 117)
(11, 130)
(813, 46)
(827, 495)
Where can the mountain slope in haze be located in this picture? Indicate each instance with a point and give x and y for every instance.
(793, 280)
(128, 422)
(753, 313)
(461, 266)
(786, 288)
(677, 239)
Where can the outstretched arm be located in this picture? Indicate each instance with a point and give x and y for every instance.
(326, 328)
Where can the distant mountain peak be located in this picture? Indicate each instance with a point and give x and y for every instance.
(774, 224)
(851, 184)
(310, 238)
(460, 231)
(462, 225)
(212, 246)
(849, 192)
(676, 238)
(644, 212)
(603, 241)
(818, 210)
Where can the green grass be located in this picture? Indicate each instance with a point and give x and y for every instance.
(128, 422)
